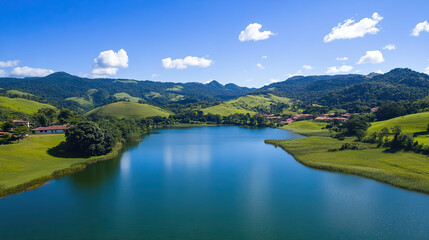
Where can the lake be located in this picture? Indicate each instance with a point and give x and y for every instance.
(213, 183)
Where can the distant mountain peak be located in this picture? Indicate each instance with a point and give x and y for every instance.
(214, 83)
(59, 75)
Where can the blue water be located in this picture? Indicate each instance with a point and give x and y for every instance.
(213, 183)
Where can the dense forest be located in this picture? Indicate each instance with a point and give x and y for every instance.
(344, 91)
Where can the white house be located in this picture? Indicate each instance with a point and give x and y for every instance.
(50, 129)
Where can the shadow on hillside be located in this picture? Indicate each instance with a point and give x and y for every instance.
(420, 133)
(63, 150)
(390, 150)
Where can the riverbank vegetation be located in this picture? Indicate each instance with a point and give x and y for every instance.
(402, 169)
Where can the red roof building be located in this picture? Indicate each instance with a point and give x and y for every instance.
(50, 129)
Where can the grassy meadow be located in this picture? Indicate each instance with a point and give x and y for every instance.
(415, 124)
(129, 110)
(307, 128)
(407, 170)
(22, 105)
(36, 160)
(248, 104)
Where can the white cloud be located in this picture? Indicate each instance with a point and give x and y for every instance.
(342, 59)
(427, 70)
(260, 66)
(155, 75)
(373, 57)
(102, 72)
(341, 69)
(389, 47)
(307, 67)
(252, 33)
(109, 62)
(379, 72)
(349, 29)
(264, 57)
(299, 72)
(3, 73)
(185, 62)
(420, 27)
(12, 63)
(274, 80)
(30, 72)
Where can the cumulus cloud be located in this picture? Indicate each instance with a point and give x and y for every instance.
(342, 59)
(307, 67)
(341, 69)
(253, 33)
(389, 47)
(260, 66)
(350, 29)
(299, 72)
(420, 27)
(109, 62)
(274, 80)
(188, 61)
(379, 71)
(30, 72)
(264, 57)
(373, 57)
(427, 70)
(12, 63)
(3, 73)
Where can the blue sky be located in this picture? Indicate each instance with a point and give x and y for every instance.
(64, 35)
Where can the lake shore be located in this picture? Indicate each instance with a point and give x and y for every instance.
(406, 170)
(28, 165)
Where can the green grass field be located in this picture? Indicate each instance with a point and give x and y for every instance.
(84, 101)
(23, 164)
(19, 93)
(129, 110)
(22, 105)
(126, 96)
(402, 169)
(414, 123)
(308, 128)
(248, 104)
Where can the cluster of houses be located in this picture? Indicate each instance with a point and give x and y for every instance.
(53, 129)
(324, 117)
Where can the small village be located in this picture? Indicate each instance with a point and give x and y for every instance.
(305, 116)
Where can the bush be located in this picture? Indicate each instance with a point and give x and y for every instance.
(89, 139)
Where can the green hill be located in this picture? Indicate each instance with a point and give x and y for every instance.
(18, 93)
(22, 105)
(129, 110)
(414, 123)
(126, 96)
(251, 104)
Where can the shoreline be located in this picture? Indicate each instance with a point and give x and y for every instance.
(75, 167)
(403, 182)
(79, 166)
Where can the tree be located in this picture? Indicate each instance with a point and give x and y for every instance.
(390, 110)
(89, 139)
(65, 116)
(20, 132)
(45, 116)
(356, 124)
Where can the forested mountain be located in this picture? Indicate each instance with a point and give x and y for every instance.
(345, 90)
(63, 89)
